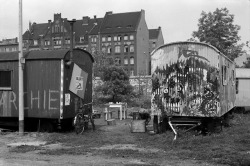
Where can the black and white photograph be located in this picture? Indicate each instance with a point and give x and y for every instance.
(125, 83)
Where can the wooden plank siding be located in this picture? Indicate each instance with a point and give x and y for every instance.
(46, 81)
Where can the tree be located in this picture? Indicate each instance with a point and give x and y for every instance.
(217, 29)
(102, 61)
(116, 85)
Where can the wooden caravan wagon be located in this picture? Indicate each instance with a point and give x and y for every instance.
(191, 80)
(52, 86)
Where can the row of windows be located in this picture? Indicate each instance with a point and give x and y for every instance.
(55, 41)
(57, 28)
(117, 38)
(125, 61)
(8, 49)
(126, 49)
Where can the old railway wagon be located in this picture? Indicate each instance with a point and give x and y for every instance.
(52, 86)
(192, 80)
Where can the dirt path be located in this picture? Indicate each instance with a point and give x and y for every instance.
(36, 142)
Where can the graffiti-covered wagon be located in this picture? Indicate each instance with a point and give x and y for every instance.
(191, 80)
(52, 86)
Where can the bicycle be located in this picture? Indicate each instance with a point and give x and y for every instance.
(82, 119)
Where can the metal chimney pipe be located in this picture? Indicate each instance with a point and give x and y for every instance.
(71, 39)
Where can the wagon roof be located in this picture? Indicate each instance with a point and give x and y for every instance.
(191, 42)
(242, 73)
(41, 54)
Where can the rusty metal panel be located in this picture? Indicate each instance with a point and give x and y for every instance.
(186, 80)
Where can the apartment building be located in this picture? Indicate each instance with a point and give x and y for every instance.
(124, 37)
(9, 45)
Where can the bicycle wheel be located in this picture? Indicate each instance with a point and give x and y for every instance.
(79, 124)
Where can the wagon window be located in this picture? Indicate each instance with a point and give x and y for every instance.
(233, 78)
(224, 75)
(5, 80)
(237, 85)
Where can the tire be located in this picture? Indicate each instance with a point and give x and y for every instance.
(79, 124)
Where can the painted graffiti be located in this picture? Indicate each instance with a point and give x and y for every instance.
(188, 87)
(42, 100)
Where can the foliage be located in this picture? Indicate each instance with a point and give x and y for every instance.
(217, 29)
(229, 147)
(116, 87)
(102, 61)
(247, 63)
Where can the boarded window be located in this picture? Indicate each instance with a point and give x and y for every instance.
(5, 79)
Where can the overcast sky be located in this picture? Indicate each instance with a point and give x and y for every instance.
(177, 18)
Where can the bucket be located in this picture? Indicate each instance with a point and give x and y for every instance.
(138, 126)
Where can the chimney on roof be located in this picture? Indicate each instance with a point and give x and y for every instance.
(30, 26)
(143, 13)
(85, 20)
(109, 13)
(71, 40)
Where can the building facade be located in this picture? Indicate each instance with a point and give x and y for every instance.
(123, 37)
(155, 40)
(9, 45)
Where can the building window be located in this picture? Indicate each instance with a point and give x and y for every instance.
(119, 38)
(81, 39)
(125, 37)
(153, 45)
(117, 61)
(57, 28)
(132, 60)
(47, 42)
(132, 72)
(67, 41)
(131, 37)
(103, 50)
(93, 39)
(35, 42)
(117, 49)
(131, 48)
(103, 39)
(115, 38)
(109, 50)
(109, 38)
(57, 41)
(125, 61)
(5, 79)
(125, 48)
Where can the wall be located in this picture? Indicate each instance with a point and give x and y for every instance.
(142, 39)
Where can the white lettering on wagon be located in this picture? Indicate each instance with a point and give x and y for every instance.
(36, 100)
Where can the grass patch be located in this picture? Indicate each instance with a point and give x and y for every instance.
(231, 146)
